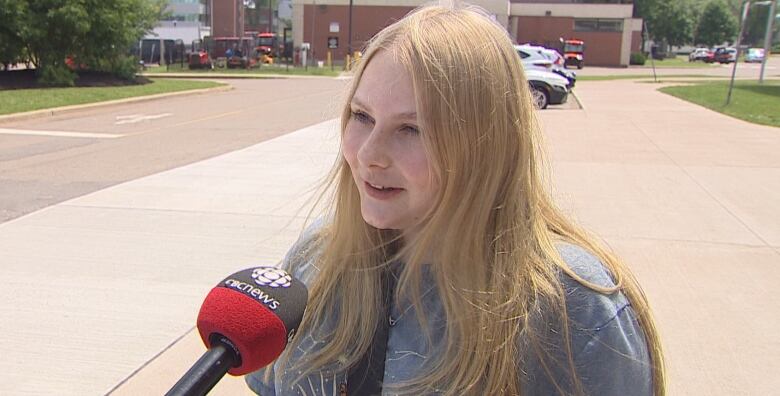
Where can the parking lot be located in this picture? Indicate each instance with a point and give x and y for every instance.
(744, 70)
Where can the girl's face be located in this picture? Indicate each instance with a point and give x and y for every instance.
(384, 148)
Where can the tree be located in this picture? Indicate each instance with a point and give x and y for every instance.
(95, 33)
(644, 9)
(716, 24)
(11, 44)
(115, 25)
(56, 30)
(671, 21)
(755, 25)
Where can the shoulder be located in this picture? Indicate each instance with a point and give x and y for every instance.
(590, 309)
(608, 344)
(301, 259)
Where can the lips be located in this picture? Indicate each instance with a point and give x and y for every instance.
(379, 191)
(380, 187)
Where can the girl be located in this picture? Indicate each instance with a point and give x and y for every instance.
(442, 265)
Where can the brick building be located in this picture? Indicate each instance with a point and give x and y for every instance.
(606, 26)
(227, 18)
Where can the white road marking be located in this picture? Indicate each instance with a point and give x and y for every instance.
(132, 119)
(85, 135)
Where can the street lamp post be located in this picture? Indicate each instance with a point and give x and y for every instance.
(271, 16)
(745, 9)
(313, 19)
(349, 29)
(768, 37)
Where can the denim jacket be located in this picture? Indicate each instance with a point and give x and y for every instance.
(609, 348)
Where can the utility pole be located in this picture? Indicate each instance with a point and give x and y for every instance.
(349, 38)
(313, 19)
(271, 16)
(768, 38)
(745, 9)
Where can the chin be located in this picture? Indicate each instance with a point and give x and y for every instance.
(380, 223)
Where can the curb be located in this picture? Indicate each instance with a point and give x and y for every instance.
(576, 99)
(69, 109)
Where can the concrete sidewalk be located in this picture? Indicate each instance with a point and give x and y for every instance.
(691, 200)
(96, 287)
(100, 293)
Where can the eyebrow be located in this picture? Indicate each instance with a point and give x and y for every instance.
(408, 115)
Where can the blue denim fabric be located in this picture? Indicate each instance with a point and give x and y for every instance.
(610, 353)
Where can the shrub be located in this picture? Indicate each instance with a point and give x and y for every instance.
(57, 75)
(637, 58)
(125, 67)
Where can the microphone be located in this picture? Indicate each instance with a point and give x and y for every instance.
(246, 321)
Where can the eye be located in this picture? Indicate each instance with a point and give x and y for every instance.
(411, 130)
(361, 117)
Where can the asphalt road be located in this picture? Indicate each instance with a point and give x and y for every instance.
(52, 159)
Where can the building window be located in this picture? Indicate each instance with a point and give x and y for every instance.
(598, 25)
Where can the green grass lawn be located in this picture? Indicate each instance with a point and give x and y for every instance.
(750, 101)
(677, 63)
(21, 100)
(261, 71)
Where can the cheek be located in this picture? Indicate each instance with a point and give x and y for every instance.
(420, 171)
(350, 144)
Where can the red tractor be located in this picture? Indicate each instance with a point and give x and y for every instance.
(198, 57)
(574, 53)
(266, 47)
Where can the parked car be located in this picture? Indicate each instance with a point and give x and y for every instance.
(725, 55)
(754, 55)
(545, 59)
(710, 58)
(547, 88)
(553, 55)
(699, 54)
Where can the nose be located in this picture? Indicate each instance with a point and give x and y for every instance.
(374, 150)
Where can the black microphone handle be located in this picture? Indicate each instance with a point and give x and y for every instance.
(208, 370)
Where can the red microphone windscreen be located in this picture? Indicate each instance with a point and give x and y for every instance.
(259, 334)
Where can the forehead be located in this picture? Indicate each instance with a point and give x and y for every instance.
(385, 86)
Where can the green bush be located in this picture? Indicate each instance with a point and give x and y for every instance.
(637, 58)
(120, 65)
(57, 75)
(126, 67)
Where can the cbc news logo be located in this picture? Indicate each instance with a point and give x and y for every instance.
(271, 277)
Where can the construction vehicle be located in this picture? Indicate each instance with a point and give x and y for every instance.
(198, 57)
(266, 47)
(233, 52)
(574, 53)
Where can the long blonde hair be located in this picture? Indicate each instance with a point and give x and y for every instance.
(491, 233)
